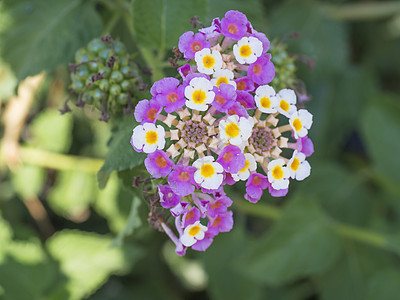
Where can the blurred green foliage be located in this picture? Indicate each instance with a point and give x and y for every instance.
(335, 236)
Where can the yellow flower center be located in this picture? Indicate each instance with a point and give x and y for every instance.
(232, 130)
(208, 61)
(194, 230)
(222, 80)
(265, 102)
(245, 51)
(284, 105)
(151, 137)
(207, 170)
(277, 172)
(295, 164)
(246, 166)
(199, 96)
(297, 124)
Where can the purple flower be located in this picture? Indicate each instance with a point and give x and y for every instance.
(221, 223)
(219, 206)
(168, 94)
(190, 217)
(181, 180)
(263, 38)
(228, 179)
(244, 84)
(189, 44)
(168, 198)
(158, 164)
(262, 71)
(203, 244)
(305, 145)
(277, 193)
(255, 186)
(179, 209)
(185, 70)
(225, 97)
(234, 25)
(231, 159)
(237, 109)
(147, 111)
(245, 99)
(213, 32)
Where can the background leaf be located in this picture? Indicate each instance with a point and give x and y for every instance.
(120, 155)
(42, 25)
(301, 243)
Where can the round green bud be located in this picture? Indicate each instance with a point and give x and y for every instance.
(115, 89)
(116, 76)
(95, 46)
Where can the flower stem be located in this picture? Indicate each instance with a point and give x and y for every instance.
(45, 159)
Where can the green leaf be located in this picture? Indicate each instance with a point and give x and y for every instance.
(72, 194)
(159, 23)
(227, 282)
(52, 131)
(88, 260)
(380, 127)
(351, 203)
(26, 271)
(112, 206)
(41, 34)
(301, 243)
(121, 155)
(28, 181)
(384, 285)
(347, 279)
(134, 222)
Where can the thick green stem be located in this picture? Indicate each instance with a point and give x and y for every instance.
(45, 159)
(270, 212)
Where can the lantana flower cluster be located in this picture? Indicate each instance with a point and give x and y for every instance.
(220, 123)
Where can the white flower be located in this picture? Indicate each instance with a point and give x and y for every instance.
(208, 62)
(235, 130)
(298, 167)
(199, 94)
(193, 233)
(247, 50)
(278, 175)
(266, 99)
(223, 76)
(148, 137)
(301, 121)
(209, 173)
(249, 166)
(286, 102)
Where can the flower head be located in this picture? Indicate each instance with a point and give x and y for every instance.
(148, 138)
(193, 233)
(234, 25)
(208, 61)
(247, 50)
(301, 121)
(209, 173)
(199, 94)
(190, 43)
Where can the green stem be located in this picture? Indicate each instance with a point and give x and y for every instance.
(362, 11)
(270, 212)
(111, 23)
(45, 159)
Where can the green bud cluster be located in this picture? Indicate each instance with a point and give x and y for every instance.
(104, 75)
(284, 66)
